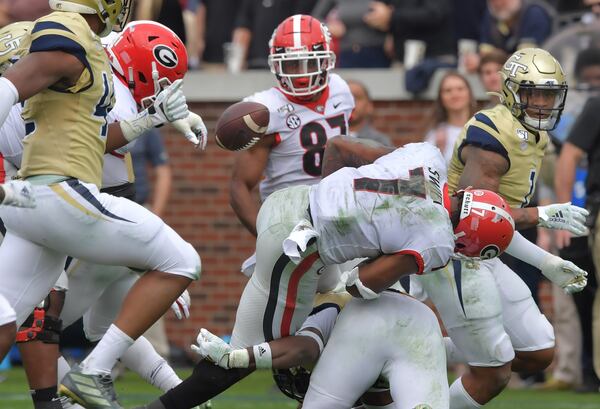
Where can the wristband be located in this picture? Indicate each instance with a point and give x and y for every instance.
(262, 355)
(351, 278)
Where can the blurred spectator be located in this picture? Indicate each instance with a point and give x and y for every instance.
(594, 11)
(489, 75)
(256, 20)
(454, 106)
(148, 153)
(192, 15)
(429, 21)
(216, 25)
(467, 16)
(167, 12)
(360, 120)
(510, 25)
(360, 46)
(583, 138)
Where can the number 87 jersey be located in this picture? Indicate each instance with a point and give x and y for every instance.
(301, 130)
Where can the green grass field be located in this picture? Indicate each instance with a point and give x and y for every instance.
(258, 392)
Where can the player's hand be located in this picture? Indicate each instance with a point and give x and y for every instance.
(193, 128)
(565, 274)
(213, 348)
(18, 193)
(563, 216)
(169, 105)
(181, 306)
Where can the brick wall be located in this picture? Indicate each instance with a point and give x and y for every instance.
(199, 210)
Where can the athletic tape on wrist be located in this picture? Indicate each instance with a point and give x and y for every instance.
(351, 278)
(315, 336)
(262, 355)
(239, 358)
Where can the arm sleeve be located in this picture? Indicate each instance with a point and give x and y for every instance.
(586, 129)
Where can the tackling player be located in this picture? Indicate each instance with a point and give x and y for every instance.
(396, 212)
(66, 84)
(488, 311)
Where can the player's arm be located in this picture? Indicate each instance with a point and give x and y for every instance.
(370, 278)
(483, 170)
(247, 172)
(343, 152)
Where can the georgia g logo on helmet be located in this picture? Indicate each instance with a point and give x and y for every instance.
(165, 56)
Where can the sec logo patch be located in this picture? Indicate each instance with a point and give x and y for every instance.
(293, 121)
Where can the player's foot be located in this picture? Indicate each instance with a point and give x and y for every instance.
(68, 404)
(90, 391)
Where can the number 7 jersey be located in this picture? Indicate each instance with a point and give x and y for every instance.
(301, 132)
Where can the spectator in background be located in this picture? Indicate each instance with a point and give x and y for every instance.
(452, 109)
(215, 24)
(20, 10)
(149, 153)
(427, 20)
(510, 25)
(192, 15)
(584, 139)
(256, 20)
(360, 45)
(360, 120)
(489, 75)
(467, 16)
(167, 12)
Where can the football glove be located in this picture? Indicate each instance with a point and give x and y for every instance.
(181, 306)
(18, 193)
(169, 105)
(563, 216)
(213, 348)
(565, 274)
(193, 128)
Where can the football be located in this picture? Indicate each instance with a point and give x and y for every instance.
(242, 125)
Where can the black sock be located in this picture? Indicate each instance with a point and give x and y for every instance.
(206, 381)
(45, 398)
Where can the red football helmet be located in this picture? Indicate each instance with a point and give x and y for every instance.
(300, 56)
(486, 225)
(147, 56)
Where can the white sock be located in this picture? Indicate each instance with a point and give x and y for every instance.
(453, 354)
(460, 398)
(143, 359)
(63, 368)
(104, 356)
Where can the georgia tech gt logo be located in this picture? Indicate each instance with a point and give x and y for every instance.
(513, 68)
(165, 56)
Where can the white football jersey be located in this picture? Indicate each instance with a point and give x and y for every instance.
(116, 169)
(301, 131)
(394, 205)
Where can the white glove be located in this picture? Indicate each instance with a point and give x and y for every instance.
(168, 105)
(193, 128)
(563, 273)
(213, 348)
(181, 306)
(18, 193)
(350, 278)
(563, 216)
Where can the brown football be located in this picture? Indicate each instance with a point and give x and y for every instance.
(242, 125)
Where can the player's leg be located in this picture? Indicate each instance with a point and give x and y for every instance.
(530, 331)
(8, 327)
(419, 355)
(466, 296)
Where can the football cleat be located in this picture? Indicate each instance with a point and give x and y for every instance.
(90, 391)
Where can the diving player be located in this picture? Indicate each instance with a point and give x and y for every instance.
(488, 311)
(396, 212)
(66, 84)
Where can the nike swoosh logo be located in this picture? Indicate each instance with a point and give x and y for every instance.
(336, 105)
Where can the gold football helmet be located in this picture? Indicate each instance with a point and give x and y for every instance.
(14, 43)
(534, 88)
(114, 13)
